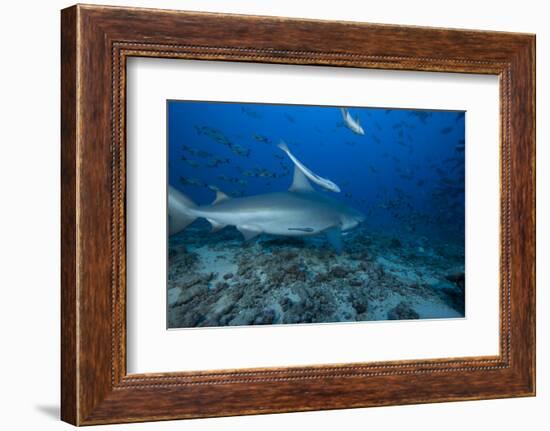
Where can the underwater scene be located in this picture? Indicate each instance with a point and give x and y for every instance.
(295, 214)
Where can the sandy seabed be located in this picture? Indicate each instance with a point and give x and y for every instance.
(216, 279)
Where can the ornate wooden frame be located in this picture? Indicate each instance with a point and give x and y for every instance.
(95, 43)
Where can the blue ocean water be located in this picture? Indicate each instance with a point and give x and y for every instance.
(405, 173)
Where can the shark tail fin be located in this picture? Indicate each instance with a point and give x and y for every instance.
(179, 211)
(344, 111)
(283, 146)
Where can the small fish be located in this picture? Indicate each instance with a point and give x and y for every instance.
(261, 138)
(352, 123)
(223, 140)
(191, 182)
(252, 113)
(213, 134)
(421, 115)
(397, 126)
(239, 150)
(289, 117)
(212, 163)
(323, 182)
(192, 163)
(203, 154)
(264, 173)
(446, 130)
(195, 182)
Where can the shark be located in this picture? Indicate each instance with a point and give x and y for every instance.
(323, 182)
(298, 212)
(352, 123)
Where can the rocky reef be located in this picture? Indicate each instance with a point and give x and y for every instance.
(214, 279)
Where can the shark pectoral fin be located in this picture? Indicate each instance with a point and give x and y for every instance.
(249, 232)
(334, 237)
(300, 183)
(302, 229)
(215, 225)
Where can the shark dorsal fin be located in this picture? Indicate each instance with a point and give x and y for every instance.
(220, 197)
(300, 183)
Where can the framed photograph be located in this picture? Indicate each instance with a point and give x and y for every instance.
(285, 220)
